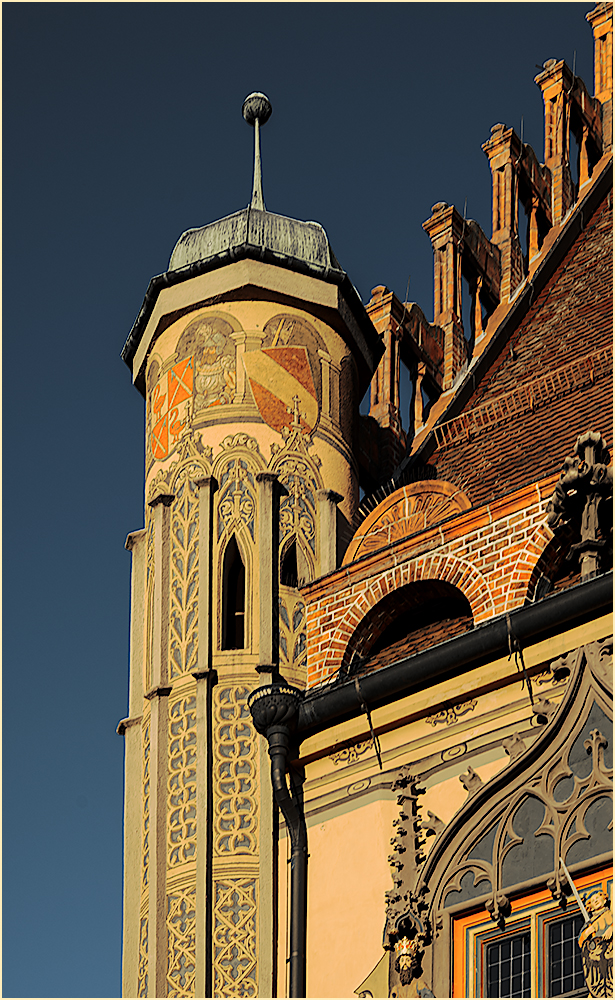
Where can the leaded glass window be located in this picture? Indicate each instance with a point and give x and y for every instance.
(565, 965)
(508, 967)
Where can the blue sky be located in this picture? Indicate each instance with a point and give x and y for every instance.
(123, 128)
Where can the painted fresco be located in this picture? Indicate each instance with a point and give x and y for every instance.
(208, 338)
(169, 407)
(286, 367)
(202, 374)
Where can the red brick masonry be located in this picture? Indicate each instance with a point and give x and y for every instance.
(489, 553)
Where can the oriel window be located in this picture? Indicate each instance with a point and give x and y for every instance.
(233, 598)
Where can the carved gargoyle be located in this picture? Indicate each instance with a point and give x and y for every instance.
(544, 710)
(584, 495)
(471, 781)
(513, 746)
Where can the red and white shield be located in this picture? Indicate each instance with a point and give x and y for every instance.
(276, 375)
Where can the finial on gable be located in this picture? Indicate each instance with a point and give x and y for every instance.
(257, 110)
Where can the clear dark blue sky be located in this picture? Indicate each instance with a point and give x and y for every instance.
(123, 128)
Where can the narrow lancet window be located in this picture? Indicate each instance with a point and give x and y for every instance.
(233, 598)
(289, 576)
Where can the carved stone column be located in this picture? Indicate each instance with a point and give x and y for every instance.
(204, 678)
(158, 696)
(130, 729)
(267, 570)
(327, 506)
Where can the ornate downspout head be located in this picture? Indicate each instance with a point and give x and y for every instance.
(275, 708)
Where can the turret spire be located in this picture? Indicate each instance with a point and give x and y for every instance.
(257, 110)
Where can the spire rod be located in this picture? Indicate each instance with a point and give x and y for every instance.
(257, 110)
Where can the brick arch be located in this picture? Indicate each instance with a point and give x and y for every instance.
(437, 566)
(523, 570)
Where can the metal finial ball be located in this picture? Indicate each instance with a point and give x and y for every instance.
(256, 106)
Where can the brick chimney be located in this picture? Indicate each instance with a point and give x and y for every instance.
(460, 248)
(517, 177)
(568, 109)
(601, 20)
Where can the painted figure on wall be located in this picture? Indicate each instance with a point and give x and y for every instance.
(596, 944)
(208, 339)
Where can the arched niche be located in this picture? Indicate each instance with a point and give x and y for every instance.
(421, 613)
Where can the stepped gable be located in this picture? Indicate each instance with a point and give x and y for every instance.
(571, 318)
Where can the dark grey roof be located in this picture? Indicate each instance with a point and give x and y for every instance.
(273, 239)
(305, 241)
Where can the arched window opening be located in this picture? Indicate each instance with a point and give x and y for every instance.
(233, 598)
(413, 618)
(289, 575)
(555, 571)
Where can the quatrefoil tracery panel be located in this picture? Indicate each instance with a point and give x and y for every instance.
(235, 786)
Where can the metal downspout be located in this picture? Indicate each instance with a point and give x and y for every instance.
(275, 708)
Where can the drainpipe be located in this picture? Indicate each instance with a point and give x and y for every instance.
(275, 709)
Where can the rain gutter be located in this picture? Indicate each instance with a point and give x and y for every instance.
(337, 702)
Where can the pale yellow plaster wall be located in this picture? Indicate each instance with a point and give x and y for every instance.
(348, 875)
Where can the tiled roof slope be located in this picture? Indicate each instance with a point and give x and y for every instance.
(416, 641)
(572, 317)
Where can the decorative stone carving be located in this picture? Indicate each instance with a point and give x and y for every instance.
(298, 471)
(234, 937)
(182, 821)
(349, 754)
(192, 455)
(448, 716)
(560, 669)
(183, 618)
(406, 929)
(471, 781)
(513, 746)
(236, 503)
(544, 710)
(432, 825)
(596, 944)
(142, 975)
(293, 639)
(181, 931)
(599, 656)
(584, 495)
(235, 771)
(145, 817)
(408, 510)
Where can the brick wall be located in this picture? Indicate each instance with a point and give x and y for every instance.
(489, 553)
